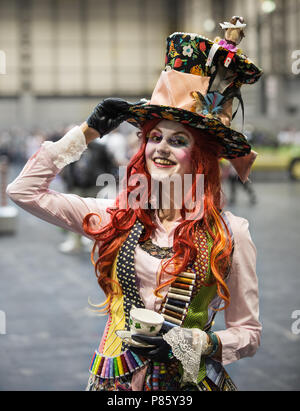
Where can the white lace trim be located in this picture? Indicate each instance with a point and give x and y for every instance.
(68, 149)
(187, 345)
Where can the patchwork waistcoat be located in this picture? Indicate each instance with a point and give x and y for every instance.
(190, 303)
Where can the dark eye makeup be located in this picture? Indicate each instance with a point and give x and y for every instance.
(155, 136)
(177, 140)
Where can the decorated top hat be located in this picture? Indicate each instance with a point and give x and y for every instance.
(197, 87)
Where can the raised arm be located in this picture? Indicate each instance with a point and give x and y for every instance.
(30, 190)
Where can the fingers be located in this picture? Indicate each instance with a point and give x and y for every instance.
(160, 353)
(115, 105)
(139, 103)
(144, 352)
(147, 339)
(165, 328)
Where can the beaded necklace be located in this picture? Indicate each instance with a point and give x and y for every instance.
(155, 250)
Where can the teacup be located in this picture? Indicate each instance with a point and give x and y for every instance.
(143, 321)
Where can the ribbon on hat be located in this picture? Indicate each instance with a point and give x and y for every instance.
(242, 165)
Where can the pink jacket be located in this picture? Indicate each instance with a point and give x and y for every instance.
(241, 338)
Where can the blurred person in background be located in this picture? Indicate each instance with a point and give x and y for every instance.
(117, 146)
(235, 184)
(33, 142)
(80, 178)
(229, 174)
(5, 144)
(184, 266)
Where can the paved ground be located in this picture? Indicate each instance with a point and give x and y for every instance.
(51, 334)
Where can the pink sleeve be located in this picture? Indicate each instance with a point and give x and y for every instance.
(30, 190)
(242, 335)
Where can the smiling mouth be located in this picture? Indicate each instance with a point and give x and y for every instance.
(163, 162)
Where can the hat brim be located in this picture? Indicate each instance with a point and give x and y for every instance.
(234, 143)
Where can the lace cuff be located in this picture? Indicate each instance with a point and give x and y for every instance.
(187, 345)
(68, 149)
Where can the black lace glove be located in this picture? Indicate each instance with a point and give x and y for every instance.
(161, 352)
(109, 114)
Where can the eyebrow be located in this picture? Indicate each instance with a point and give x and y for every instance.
(177, 132)
(155, 129)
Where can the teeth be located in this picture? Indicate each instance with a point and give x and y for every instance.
(163, 161)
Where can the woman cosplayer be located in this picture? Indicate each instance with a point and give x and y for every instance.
(185, 262)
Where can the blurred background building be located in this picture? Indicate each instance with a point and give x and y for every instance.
(63, 56)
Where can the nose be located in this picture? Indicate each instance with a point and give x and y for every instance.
(163, 148)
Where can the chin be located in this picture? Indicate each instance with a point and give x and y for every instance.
(161, 176)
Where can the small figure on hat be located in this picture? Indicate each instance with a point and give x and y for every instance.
(234, 33)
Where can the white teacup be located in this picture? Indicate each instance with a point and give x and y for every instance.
(143, 321)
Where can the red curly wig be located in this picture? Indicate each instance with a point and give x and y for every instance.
(108, 239)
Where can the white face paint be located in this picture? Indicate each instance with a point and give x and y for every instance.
(168, 150)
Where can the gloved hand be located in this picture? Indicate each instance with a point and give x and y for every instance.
(161, 352)
(109, 114)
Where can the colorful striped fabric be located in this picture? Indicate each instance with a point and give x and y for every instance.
(115, 367)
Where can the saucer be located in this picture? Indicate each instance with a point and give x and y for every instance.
(126, 336)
